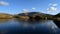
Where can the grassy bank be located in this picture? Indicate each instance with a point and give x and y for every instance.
(6, 16)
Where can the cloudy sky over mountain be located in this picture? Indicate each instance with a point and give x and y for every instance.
(18, 6)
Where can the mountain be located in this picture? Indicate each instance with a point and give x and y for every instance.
(57, 15)
(31, 14)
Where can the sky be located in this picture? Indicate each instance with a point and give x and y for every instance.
(21, 6)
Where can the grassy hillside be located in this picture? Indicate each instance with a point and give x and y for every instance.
(5, 16)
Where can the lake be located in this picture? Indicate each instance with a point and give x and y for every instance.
(15, 26)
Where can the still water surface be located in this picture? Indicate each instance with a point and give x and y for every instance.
(14, 26)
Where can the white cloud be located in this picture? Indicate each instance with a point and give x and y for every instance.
(33, 8)
(4, 3)
(52, 9)
(53, 4)
(25, 10)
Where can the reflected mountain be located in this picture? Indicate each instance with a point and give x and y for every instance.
(31, 21)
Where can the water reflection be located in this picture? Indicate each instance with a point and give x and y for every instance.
(44, 25)
(18, 26)
(4, 20)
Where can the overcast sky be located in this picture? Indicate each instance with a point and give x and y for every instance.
(19, 6)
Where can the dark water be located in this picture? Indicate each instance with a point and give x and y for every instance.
(14, 26)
